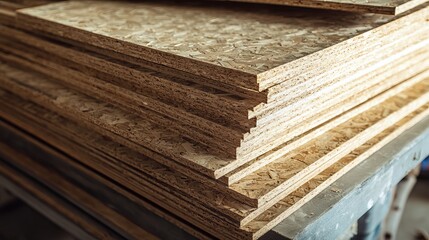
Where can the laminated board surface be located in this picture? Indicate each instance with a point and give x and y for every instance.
(252, 49)
(391, 7)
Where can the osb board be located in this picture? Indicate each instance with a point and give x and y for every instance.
(126, 124)
(225, 139)
(390, 7)
(161, 185)
(279, 178)
(298, 198)
(113, 186)
(120, 98)
(193, 97)
(246, 196)
(309, 190)
(128, 162)
(286, 115)
(203, 39)
(126, 99)
(414, 104)
(195, 127)
(310, 81)
(401, 70)
(78, 195)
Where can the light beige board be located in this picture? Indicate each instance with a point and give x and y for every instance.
(309, 190)
(255, 144)
(246, 46)
(391, 7)
(390, 114)
(394, 76)
(283, 132)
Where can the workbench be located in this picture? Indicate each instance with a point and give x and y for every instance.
(328, 215)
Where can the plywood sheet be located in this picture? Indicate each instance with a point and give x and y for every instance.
(204, 40)
(391, 7)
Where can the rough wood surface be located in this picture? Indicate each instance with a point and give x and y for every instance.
(391, 7)
(310, 189)
(97, 76)
(126, 167)
(269, 132)
(125, 164)
(208, 43)
(233, 164)
(398, 72)
(414, 104)
(277, 179)
(426, 106)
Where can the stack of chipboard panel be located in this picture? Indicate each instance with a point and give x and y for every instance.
(227, 116)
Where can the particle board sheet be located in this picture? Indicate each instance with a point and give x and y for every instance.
(404, 69)
(397, 77)
(383, 123)
(149, 81)
(139, 183)
(286, 205)
(100, 141)
(259, 200)
(277, 179)
(250, 149)
(104, 91)
(204, 131)
(310, 189)
(277, 128)
(390, 7)
(148, 172)
(203, 39)
(40, 60)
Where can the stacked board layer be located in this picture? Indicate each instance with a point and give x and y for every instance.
(390, 7)
(228, 117)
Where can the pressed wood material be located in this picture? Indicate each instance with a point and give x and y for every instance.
(289, 204)
(391, 7)
(392, 114)
(235, 46)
